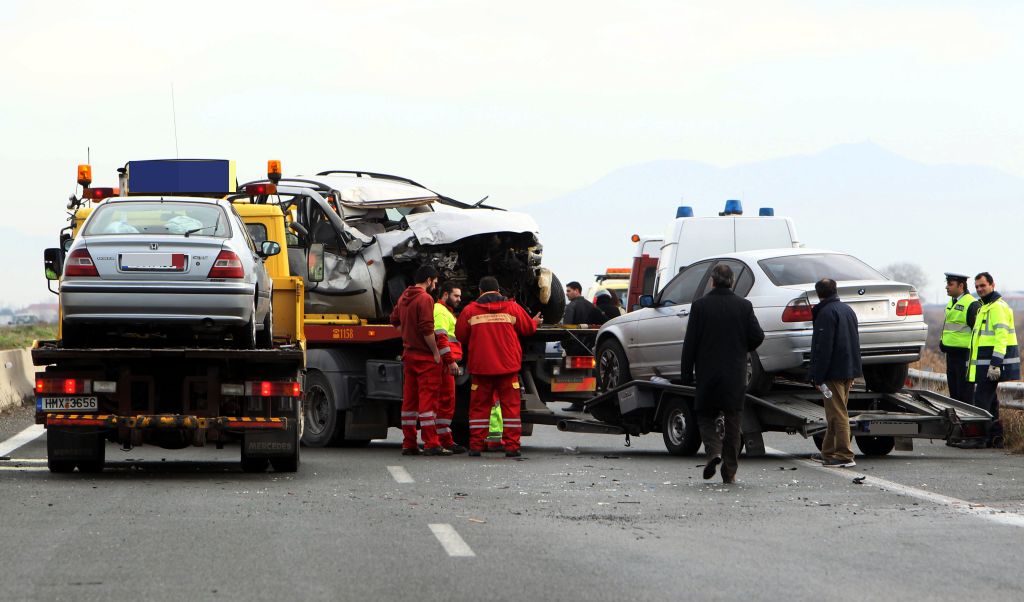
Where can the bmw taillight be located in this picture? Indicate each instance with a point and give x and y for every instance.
(80, 263)
(910, 306)
(797, 310)
(227, 265)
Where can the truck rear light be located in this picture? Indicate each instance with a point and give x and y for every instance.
(98, 194)
(909, 307)
(229, 390)
(62, 386)
(580, 362)
(266, 388)
(80, 264)
(227, 265)
(260, 189)
(798, 310)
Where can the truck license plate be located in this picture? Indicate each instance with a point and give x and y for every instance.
(68, 404)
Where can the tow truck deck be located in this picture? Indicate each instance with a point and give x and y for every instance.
(879, 422)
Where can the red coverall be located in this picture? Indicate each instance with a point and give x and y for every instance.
(414, 314)
(451, 352)
(489, 329)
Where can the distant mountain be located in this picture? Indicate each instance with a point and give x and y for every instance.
(857, 198)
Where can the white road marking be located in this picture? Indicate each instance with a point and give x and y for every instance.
(23, 461)
(451, 540)
(26, 436)
(23, 468)
(400, 474)
(995, 515)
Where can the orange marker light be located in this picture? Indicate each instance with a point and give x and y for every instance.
(84, 175)
(274, 170)
(635, 238)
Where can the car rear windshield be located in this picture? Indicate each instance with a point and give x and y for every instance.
(808, 269)
(158, 218)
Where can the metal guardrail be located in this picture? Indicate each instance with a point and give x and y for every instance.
(1011, 393)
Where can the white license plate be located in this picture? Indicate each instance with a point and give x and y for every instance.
(871, 311)
(68, 404)
(162, 262)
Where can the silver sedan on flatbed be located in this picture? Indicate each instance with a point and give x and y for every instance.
(780, 285)
(178, 267)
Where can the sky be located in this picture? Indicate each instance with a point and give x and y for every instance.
(521, 101)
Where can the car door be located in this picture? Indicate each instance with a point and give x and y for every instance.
(660, 331)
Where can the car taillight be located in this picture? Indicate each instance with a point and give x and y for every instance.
(266, 388)
(66, 386)
(80, 264)
(227, 265)
(580, 362)
(909, 307)
(797, 310)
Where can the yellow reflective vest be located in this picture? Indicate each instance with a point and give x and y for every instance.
(994, 342)
(955, 331)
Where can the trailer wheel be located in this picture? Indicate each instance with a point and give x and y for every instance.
(875, 446)
(98, 460)
(612, 365)
(886, 378)
(679, 429)
(320, 426)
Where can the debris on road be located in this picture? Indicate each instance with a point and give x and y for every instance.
(859, 480)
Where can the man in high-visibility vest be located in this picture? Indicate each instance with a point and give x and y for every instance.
(995, 356)
(451, 352)
(956, 336)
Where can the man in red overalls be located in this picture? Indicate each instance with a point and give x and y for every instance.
(489, 330)
(421, 361)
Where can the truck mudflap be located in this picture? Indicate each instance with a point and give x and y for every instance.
(168, 421)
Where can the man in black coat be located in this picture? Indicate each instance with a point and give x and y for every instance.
(835, 362)
(721, 332)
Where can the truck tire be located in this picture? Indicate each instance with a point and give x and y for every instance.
(554, 309)
(759, 382)
(253, 464)
(265, 337)
(612, 365)
(679, 428)
(875, 446)
(321, 425)
(886, 378)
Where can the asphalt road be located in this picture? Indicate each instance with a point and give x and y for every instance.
(580, 517)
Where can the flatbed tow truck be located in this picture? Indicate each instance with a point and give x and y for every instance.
(878, 422)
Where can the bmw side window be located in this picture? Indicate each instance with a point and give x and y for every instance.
(683, 288)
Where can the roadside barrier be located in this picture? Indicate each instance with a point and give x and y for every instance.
(1011, 394)
(17, 377)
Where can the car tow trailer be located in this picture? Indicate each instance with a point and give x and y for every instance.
(878, 422)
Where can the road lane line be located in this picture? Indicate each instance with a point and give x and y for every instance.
(400, 474)
(23, 461)
(26, 436)
(995, 515)
(451, 541)
(23, 468)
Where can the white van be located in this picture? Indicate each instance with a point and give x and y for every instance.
(690, 238)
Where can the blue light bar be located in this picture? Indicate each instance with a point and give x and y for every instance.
(684, 211)
(766, 212)
(181, 176)
(733, 207)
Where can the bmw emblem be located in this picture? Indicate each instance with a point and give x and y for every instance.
(861, 291)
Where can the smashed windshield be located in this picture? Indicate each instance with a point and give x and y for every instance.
(142, 217)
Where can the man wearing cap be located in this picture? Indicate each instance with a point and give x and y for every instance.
(961, 312)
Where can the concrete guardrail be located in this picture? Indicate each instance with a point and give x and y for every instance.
(17, 377)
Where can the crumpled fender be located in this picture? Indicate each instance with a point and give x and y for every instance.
(544, 285)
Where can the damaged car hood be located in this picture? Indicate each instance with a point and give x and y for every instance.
(442, 227)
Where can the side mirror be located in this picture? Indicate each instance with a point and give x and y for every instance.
(646, 300)
(52, 262)
(315, 262)
(269, 248)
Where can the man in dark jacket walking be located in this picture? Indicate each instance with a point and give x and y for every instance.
(835, 362)
(721, 332)
(580, 310)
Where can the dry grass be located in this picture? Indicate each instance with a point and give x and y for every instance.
(1013, 430)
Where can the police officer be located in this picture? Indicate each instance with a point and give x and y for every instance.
(995, 356)
(956, 336)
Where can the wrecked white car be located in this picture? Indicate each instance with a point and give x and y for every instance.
(374, 230)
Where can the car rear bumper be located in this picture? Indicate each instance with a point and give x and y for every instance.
(223, 304)
(879, 344)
